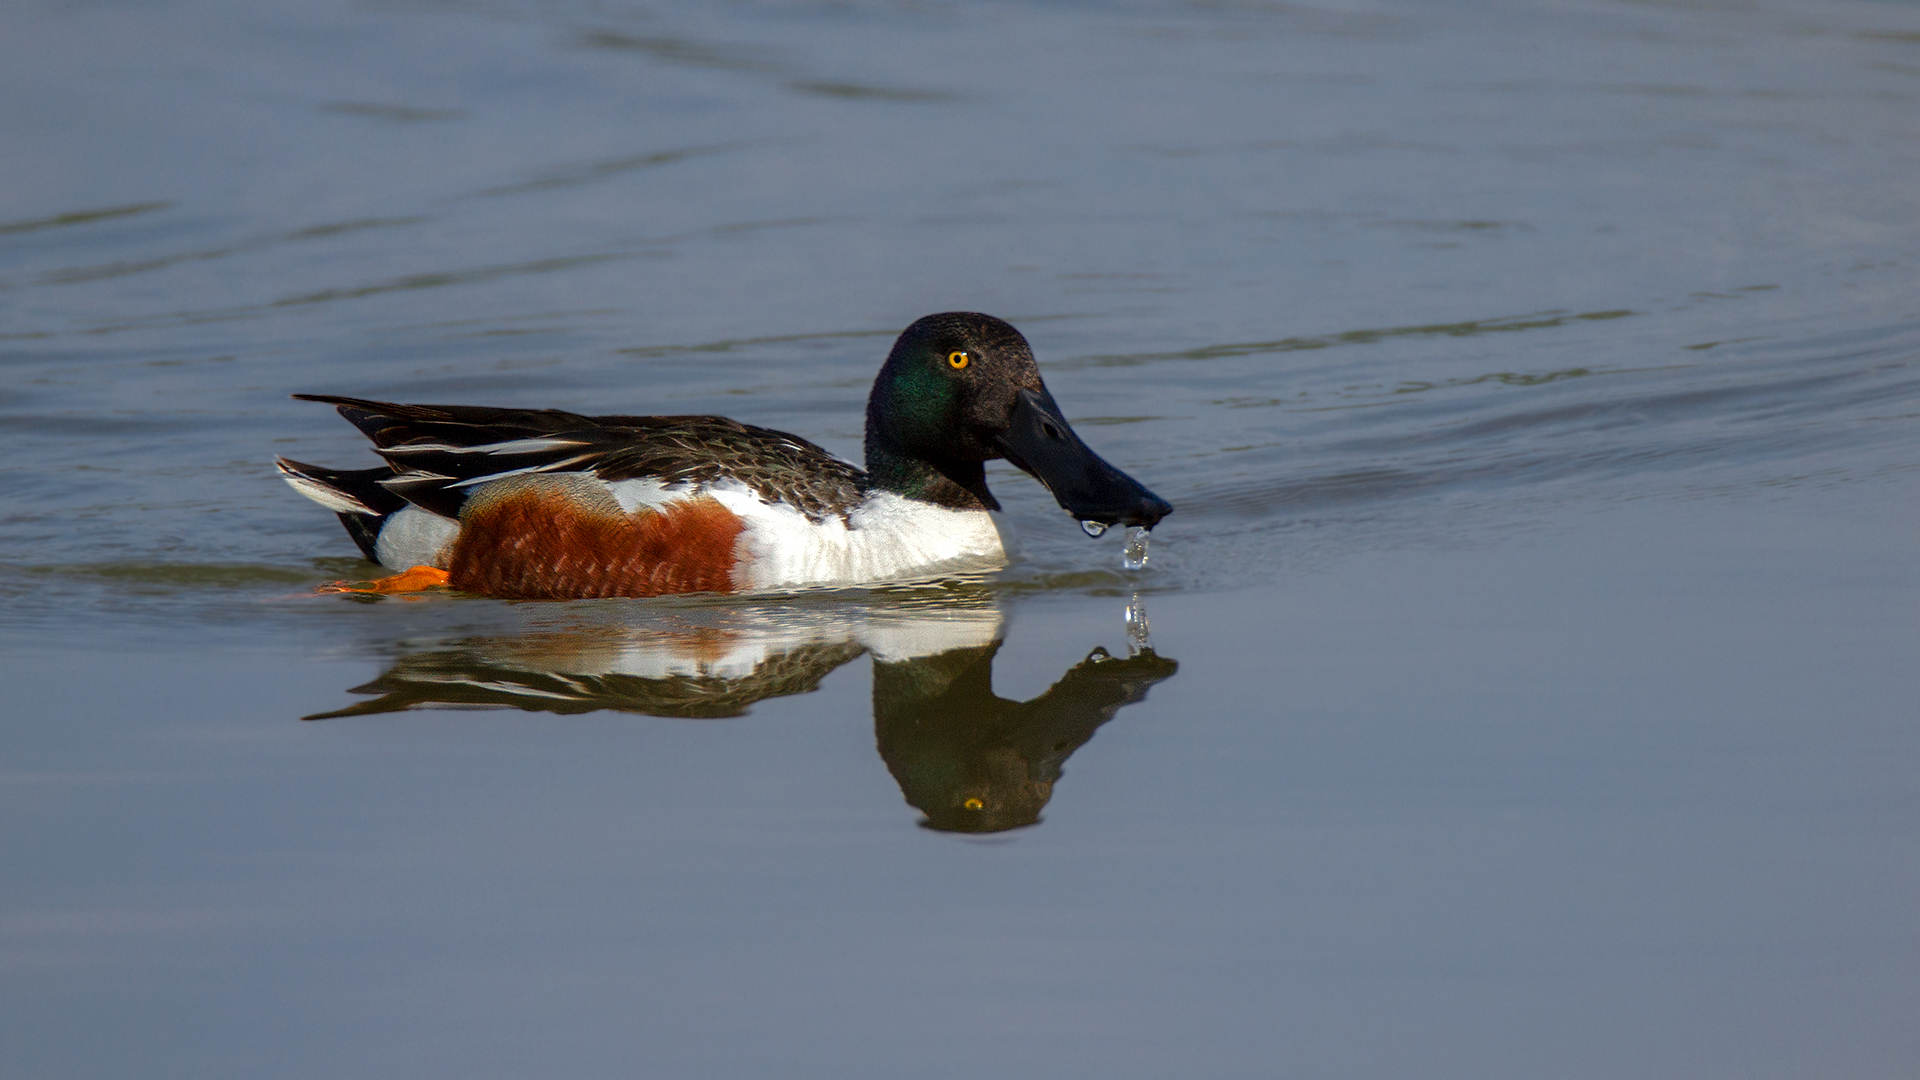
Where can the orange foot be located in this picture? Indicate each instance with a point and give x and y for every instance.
(417, 579)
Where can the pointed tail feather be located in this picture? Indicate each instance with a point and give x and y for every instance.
(354, 494)
(349, 491)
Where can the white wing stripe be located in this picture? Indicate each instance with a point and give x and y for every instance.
(511, 446)
(549, 467)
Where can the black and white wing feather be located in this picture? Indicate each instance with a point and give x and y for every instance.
(440, 453)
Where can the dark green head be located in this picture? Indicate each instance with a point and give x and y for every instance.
(960, 389)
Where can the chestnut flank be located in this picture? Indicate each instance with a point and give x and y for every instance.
(537, 544)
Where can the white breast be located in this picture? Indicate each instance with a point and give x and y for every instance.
(885, 538)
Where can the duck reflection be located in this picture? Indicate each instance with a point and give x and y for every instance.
(972, 761)
(968, 759)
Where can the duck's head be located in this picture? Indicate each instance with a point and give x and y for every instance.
(961, 389)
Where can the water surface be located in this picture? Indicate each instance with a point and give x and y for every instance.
(1528, 688)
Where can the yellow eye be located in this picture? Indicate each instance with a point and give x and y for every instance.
(971, 804)
(958, 360)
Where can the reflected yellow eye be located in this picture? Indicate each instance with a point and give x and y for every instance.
(958, 360)
(971, 804)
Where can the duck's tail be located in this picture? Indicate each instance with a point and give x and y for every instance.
(354, 494)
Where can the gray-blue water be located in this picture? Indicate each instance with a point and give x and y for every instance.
(1523, 687)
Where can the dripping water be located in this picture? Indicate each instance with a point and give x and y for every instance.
(1137, 640)
(1134, 555)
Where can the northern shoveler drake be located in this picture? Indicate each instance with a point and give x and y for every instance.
(543, 504)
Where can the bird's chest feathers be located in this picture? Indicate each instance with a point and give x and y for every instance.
(885, 538)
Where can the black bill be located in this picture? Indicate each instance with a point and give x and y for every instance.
(1039, 441)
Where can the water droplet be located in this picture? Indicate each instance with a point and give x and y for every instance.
(1135, 555)
(1092, 528)
(1137, 641)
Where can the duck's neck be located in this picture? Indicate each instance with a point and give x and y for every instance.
(957, 485)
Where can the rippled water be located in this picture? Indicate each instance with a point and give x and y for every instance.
(1522, 687)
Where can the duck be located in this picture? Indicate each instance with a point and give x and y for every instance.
(542, 504)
